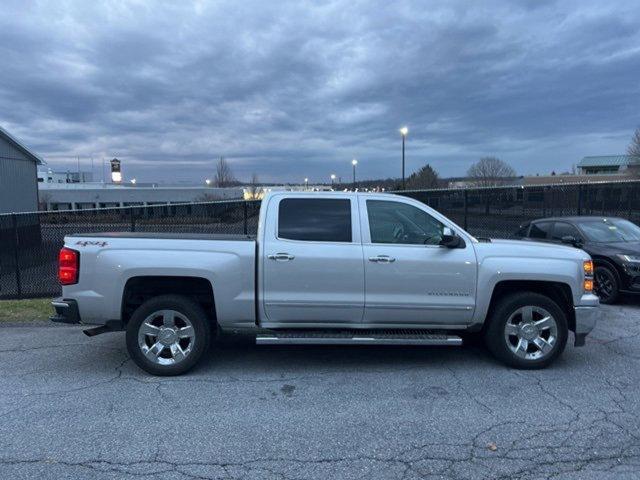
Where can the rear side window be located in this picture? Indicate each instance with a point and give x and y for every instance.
(315, 220)
(540, 230)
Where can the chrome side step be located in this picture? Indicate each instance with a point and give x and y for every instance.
(367, 337)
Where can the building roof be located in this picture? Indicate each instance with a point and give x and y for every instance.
(609, 161)
(20, 146)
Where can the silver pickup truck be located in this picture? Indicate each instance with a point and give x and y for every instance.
(328, 268)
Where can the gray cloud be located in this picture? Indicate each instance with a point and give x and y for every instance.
(293, 89)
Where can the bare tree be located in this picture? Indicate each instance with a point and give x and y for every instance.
(634, 147)
(490, 172)
(426, 177)
(224, 176)
(254, 189)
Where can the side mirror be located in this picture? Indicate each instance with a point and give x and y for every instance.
(449, 239)
(571, 240)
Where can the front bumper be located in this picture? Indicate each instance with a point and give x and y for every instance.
(586, 318)
(66, 311)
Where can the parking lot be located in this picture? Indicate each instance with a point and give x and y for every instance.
(75, 407)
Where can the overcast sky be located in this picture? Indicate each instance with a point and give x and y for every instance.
(297, 89)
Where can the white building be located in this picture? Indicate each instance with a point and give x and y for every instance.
(81, 196)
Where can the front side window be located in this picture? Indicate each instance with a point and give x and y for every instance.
(562, 229)
(395, 222)
(315, 220)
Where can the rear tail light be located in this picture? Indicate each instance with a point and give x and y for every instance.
(68, 266)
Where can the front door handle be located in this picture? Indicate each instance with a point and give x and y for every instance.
(382, 259)
(280, 257)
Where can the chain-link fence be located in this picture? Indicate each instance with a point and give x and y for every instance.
(498, 211)
(29, 242)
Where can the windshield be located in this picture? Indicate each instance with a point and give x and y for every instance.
(610, 230)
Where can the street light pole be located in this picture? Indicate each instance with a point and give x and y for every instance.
(333, 178)
(306, 183)
(354, 162)
(403, 131)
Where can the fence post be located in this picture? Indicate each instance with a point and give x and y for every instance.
(132, 219)
(245, 217)
(466, 207)
(16, 255)
(579, 199)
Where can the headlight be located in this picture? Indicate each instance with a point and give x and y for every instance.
(629, 258)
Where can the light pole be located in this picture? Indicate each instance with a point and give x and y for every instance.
(333, 179)
(403, 131)
(354, 162)
(306, 183)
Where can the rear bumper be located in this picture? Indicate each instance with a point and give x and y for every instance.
(66, 311)
(586, 318)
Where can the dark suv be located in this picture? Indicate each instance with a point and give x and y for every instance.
(613, 243)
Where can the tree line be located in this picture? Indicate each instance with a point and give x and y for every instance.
(489, 171)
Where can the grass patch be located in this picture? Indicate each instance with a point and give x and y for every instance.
(34, 310)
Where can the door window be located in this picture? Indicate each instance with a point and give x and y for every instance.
(540, 230)
(395, 222)
(562, 229)
(315, 220)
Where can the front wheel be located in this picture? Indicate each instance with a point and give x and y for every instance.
(606, 284)
(527, 330)
(167, 335)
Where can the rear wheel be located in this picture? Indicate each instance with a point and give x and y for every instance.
(606, 285)
(527, 330)
(167, 335)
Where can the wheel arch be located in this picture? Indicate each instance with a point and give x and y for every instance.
(139, 289)
(559, 292)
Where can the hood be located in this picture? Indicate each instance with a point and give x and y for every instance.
(623, 248)
(523, 248)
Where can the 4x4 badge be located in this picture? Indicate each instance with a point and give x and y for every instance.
(85, 243)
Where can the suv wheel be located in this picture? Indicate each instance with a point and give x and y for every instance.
(527, 330)
(606, 285)
(167, 335)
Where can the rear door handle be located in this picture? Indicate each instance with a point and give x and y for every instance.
(280, 257)
(382, 259)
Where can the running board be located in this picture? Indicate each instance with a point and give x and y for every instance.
(367, 337)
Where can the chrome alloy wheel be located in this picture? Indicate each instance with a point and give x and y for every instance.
(166, 337)
(531, 332)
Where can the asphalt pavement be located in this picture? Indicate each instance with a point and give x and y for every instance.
(77, 407)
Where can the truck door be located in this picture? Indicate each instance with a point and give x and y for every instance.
(410, 279)
(312, 263)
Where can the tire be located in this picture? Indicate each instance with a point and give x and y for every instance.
(606, 284)
(168, 335)
(523, 340)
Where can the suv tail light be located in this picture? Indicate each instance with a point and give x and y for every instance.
(68, 266)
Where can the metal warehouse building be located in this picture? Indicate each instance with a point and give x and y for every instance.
(18, 175)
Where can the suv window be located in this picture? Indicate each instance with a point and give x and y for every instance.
(563, 229)
(315, 219)
(540, 230)
(395, 222)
